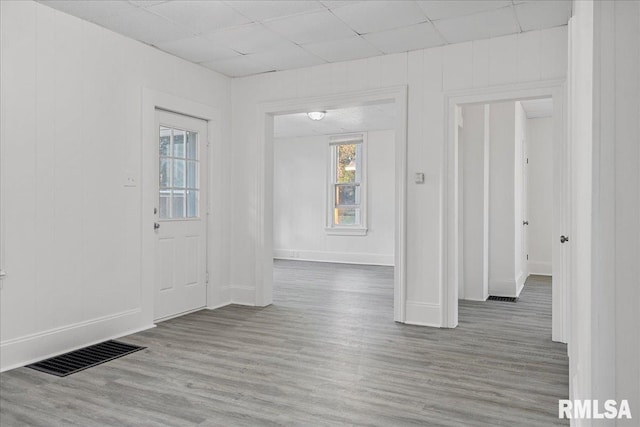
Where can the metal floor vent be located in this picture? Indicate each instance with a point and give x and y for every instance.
(505, 299)
(79, 360)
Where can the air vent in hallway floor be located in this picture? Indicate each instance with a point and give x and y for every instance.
(79, 360)
(505, 299)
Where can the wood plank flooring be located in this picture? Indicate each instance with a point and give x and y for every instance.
(327, 352)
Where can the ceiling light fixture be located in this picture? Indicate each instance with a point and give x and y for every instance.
(316, 115)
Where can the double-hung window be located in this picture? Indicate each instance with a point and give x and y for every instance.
(347, 209)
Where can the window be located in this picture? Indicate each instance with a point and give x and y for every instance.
(179, 186)
(347, 185)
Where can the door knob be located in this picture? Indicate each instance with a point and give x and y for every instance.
(156, 225)
(525, 222)
(564, 239)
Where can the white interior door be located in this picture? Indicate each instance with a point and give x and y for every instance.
(181, 226)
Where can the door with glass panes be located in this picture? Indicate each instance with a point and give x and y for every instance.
(181, 223)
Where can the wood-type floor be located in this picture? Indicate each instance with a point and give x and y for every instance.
(327, 352)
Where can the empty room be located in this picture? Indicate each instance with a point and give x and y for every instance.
(388, 213)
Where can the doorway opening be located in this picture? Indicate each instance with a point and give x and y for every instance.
(344, 215)
(334, 191)
(507, 214)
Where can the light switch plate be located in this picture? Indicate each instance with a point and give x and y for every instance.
(419, 178)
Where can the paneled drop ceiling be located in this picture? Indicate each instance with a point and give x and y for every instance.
(245, 37)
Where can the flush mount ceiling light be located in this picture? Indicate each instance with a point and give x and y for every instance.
(316, 115)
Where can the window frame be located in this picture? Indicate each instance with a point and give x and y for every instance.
(333, 141)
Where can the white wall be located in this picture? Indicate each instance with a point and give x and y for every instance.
(474, 283)
(604, 348)
(503, 252)
(428, 74)
(300, 192)
(539, 194)
(71, 131)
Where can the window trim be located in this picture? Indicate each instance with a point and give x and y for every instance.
(346, 230)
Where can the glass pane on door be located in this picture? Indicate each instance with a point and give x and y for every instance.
(178, 174)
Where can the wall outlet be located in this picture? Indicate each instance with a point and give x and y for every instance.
(130, 179)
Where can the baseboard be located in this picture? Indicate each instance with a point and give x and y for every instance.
(503, 288)
(337, 257)
(32, 348)
(243, 295)
(215, 307)
(423, 314)
(540, 268)
(474, 299)
(520, 283)
(219, 297)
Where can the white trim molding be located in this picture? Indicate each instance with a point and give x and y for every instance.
(423, 314)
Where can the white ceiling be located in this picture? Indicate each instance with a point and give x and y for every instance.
(343, 120)
(239, 37)
(538, 108)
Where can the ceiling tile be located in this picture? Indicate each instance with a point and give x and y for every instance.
(146, 3)
(262, 10)
(287, 57)
(342, 50)
(478, 26)
(311, 27)
(371, 16)
(200, 16)
(238, 67)
(440, 9)
(542, 14)
(197, 49)
(250, 38)
(94, 11)
(405, 39)
(332, 4)
(142, 25)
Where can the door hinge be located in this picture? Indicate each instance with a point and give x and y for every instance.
(527, 160)
(527, 257)
(207, 277)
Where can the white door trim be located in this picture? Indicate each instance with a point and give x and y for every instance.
(450, 215)
(152, 100)
(264, 184)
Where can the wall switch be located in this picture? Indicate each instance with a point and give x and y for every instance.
(419, 178)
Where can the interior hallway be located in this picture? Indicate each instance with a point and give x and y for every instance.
(327, 352)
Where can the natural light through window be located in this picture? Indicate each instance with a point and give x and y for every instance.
(178, 173)
(347, 187)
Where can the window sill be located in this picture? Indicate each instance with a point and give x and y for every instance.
(346, 231)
